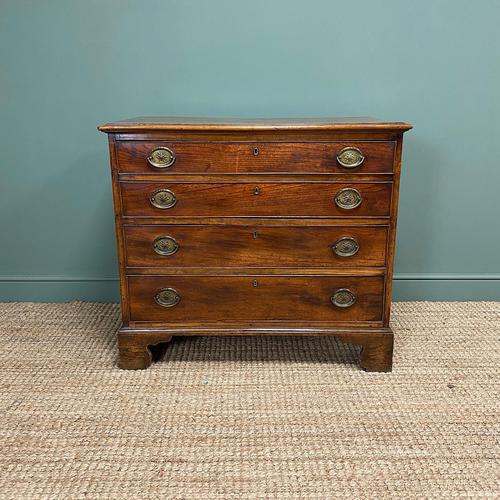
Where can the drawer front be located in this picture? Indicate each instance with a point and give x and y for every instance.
(255, 246)
(255, 298)
(260, 157)
(256, 199)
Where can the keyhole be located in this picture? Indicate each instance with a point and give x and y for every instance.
(255, 283)
(256, 191)
(255, 151)
(255, 235)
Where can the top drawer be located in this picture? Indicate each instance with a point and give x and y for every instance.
(143, 157)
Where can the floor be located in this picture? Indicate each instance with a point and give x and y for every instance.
(248, 417)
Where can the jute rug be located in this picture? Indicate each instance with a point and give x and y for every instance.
(248, 417)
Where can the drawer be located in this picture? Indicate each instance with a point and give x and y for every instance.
(254, 157)
(254, 246)
(222, 299)
(229, 199)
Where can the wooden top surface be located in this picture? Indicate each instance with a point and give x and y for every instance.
(158, 123)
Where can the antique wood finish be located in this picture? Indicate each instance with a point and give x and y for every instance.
(255, 246)
(248, 246)
(255, 199)
(256, 298)
(125, 310)
(163, 124)
(255, 157)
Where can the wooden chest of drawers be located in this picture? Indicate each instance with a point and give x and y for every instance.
(255, 227)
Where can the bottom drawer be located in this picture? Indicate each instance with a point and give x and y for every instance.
(311, 299)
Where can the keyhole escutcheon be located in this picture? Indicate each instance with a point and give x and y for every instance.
(256, 191)
(255, 151)
(255, 283)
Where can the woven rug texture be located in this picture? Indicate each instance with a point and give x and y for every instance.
(251, 417)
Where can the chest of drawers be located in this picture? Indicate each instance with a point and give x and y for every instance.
(255, 227)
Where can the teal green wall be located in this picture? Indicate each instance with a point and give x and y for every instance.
(66, 66)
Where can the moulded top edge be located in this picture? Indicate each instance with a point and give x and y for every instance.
(160, 123)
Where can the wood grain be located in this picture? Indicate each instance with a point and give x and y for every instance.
(255, 220)
(255, 298)
(255, 199)
(254, 157)
(254, 246)
(166, 123)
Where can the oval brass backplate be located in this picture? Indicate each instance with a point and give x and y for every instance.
(347, 246)
(343, 297)
(165, 245)
(161, 157)
(348, 198)
(350, 157)
(163, 198)
(167, 297)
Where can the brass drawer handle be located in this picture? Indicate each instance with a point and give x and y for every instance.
(343, 297)
(167, 297)
(161, 157)
(348, 198)
(165, 245)
(350, 157)
(346, 246)
(163, 198)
